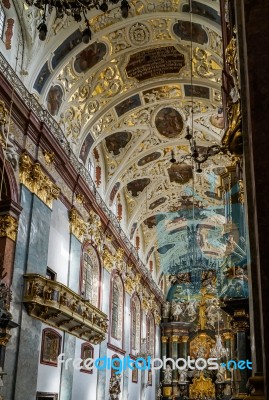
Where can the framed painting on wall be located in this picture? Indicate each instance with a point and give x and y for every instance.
(50, 347)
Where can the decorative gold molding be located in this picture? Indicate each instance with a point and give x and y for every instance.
(49, 156)
(202, 388)
(77, 226)
(108, 260)
(240, 326)
(32, 176)
(8, 227)
(57, 305)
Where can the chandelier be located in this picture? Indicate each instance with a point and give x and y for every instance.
(197, 154)
(75, 8)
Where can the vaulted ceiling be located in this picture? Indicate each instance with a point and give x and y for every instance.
(124, 102)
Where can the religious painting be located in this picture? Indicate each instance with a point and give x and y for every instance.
(197, 91)
(54, 99)
(134, 374)
(185, 31)
(157, 203)
(89, 57)
(134, 226)
(203, 10)
(128, 105)
(113, 193)
(155, 62)
(117, 141)
(154, 220)
(149, 158)
(150, 252)
(86, 353)
(46, 396)
(42, 78)
(162, 92)
(66, 46)
(180, 173)
(169, 122)
(85, 148)
(51, 347)
(164, 249)
(137, 186)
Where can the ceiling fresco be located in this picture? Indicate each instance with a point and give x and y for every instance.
(128, 97)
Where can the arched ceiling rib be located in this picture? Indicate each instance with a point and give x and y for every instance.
(118, 96)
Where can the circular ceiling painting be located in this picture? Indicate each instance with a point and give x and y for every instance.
(169, 122)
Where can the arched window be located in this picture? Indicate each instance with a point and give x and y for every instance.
(2, 21)
(135, 325)
(90, 276)
(51, 347)
(150, 335)
(116, 308)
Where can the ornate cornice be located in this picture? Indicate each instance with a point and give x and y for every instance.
(8, 227)
(32, 176)
(52, 135)
(57, 305)
(77, 226)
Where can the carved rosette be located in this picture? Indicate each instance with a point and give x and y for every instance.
(77, 226)
(8, 227)
(32, 176)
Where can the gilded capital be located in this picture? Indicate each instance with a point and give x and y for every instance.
(8, 227)
(164, 339)
(184, 339)
(77, 225)
(227, 336)
(174, 339)
(33, 177)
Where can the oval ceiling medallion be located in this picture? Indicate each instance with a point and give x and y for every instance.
(149, 158)
(157, 203)
(169, 122)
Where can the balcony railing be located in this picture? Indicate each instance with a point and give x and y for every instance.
(56, 131)
(57, 305)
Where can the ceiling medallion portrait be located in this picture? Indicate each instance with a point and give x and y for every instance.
(169, 122)
(180, 173)
(137, 186)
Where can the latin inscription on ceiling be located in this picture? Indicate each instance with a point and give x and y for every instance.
(155, 62)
